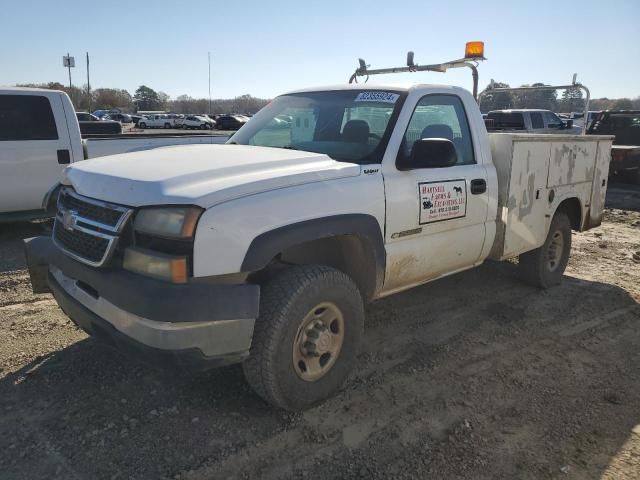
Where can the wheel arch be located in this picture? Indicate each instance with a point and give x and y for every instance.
(351, 243)
(572, 207)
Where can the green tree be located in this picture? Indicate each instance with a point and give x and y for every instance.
(496, 100)
(572, 100)
(622, 104)
(146, 98)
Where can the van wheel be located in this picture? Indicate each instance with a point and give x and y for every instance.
(306, 338)
(167, 125)
(544, 266)
(142, 125)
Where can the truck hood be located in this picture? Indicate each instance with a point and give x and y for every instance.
(203, 175)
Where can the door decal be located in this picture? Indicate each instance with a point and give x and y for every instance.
(444, 200)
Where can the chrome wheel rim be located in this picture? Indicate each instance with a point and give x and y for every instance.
(554, 251)
(318, 341)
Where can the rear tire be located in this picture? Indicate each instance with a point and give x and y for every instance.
(544, 266)
(167, 125)
(297, 361)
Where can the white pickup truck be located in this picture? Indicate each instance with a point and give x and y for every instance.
(40, 135)
(264, 250)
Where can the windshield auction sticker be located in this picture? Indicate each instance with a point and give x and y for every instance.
(384, 97)
(442, 200)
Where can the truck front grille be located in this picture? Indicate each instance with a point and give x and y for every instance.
(81, 244)
(87, 229)
(92, 211)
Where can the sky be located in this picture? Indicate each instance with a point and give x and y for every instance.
(265, 48)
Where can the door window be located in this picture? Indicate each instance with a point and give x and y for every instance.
(26, 117)
(553, 121)
(440, 116)
(536, 120)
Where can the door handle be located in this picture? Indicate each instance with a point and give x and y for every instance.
(478, 186)
(64, 157)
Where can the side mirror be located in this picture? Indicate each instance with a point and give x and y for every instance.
(431, 153)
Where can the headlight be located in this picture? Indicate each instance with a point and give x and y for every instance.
(157, 265)
(173, 222)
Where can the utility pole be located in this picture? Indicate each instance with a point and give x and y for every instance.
(69, 66)
(88, 83)
(69, 62)
(209, 57)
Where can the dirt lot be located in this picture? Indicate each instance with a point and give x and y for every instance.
(475, 376)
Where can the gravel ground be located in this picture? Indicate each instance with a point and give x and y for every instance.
(477, 376)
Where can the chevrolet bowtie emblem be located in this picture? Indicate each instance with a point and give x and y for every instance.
(69, 219)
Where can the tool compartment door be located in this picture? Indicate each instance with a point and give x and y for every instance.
(527, 199)
(572, 162)
(599, 188)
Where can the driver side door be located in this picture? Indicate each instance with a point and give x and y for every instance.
(436, 217)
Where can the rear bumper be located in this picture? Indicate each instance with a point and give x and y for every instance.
(198, 325)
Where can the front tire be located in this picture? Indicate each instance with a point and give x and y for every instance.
(306, 338)
(544, 266)
(142, 125)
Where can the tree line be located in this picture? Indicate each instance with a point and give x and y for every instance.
(145, 99)
(570, 100)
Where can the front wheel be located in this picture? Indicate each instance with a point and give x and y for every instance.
(307, 337)
(142, 125)
(544, 266)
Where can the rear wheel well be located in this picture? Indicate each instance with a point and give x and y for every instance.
(350, 254)
(572, 208)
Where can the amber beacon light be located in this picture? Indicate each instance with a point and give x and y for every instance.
(474, 50)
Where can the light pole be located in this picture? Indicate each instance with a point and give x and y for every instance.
(209, 57)
(88, 83)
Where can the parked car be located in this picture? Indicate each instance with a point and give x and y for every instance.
(197, 121)
(118, 117)
(230, 122)
(40, 136)
(86, 117)
(265, 251)
(530, 121)
(156, 121)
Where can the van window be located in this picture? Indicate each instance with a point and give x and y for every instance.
(507, 120)
(26, 117)
(536, 120)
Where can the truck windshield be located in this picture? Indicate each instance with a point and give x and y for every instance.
(347, 125)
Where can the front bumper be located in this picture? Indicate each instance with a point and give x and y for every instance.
(196, 324)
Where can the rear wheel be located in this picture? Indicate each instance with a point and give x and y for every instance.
(306, 338)
(544, 266)
(167, 125)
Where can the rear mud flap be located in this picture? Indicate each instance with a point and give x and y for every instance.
(38, 269)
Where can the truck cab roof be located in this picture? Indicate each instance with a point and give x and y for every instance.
(376, 86)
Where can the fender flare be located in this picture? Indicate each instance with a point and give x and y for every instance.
(267, 245)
